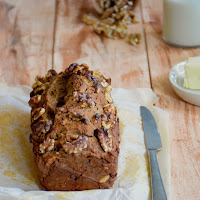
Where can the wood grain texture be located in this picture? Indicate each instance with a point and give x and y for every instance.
(76, 42)
(184, 118)
(26, 39)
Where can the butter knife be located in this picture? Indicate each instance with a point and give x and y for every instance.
(153, 143)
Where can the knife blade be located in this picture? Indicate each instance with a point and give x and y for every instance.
(153, 143)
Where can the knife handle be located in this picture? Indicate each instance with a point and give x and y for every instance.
(158, 190)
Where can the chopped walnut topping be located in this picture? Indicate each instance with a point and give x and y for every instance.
(106, 125)
(96, 74)
(41, 88)
(42, 126)
(47, 77)
(108, 97)
(104, 83)
(34, 100)
(85, 65)
(47, 145)
(104, 179)
(37, 113)
(50, 74)
(73, 136)
(75, 67)
(36, 84)
(105, 139)
(76, 145)
(63, 137)
(84, 98)
(88, 82)
(42, 82)
(108, 88)
(110, 108)
(78, 117)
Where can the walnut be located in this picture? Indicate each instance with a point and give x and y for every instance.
(106, 125)
(108, 88)
(114, 19)
(36, 84)
(104, 83)
(42, 126)
(87, 81)
(134, 38)
(108, 97)
(37, 113)
(78, 117)
(105, 140)
(65, 138)
(47, 145)
(85, 66)
(73, 136)
(85, 99)
(110, 108)
(96, 74)
(76, 146)
(49, 75)
(34, 100)
(41, 88)
(104, 179)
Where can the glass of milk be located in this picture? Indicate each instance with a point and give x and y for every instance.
(181, 23)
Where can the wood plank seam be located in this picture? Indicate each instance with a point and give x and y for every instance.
(54, 31)
(145, 42)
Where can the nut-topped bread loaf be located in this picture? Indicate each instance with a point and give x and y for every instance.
(75, 130)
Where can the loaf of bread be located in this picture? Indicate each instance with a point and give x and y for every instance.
(75, 130)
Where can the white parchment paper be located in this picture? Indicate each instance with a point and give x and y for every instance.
(18, 178)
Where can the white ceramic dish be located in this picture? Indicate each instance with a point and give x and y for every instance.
(176, 77)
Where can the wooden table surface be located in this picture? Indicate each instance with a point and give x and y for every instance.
(37, 35)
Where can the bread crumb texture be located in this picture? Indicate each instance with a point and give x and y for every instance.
(15, 149)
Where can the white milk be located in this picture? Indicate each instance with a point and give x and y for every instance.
(181, 22)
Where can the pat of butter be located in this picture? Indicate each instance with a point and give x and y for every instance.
(192, 73)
